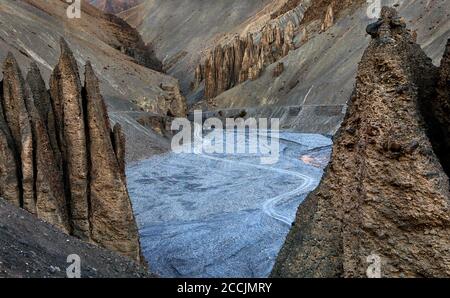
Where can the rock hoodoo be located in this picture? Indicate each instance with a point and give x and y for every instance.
(60, 159)
(243, 59)
(385, 192)
(329, 18)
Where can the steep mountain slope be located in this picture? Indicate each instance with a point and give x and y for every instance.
(385, 195)
(31, 30)
(291, 59)
(181, 30)
(61, 159)
(310, 94)
(32, 248)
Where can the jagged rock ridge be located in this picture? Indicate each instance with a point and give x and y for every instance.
(60, 158)
(385, 191)
(244, 58)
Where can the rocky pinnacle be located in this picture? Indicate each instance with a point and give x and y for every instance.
(111, 217)
(59, 157)
(385, 195)
(65, 87)
(15, 112)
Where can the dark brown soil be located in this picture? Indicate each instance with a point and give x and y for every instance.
(33, 249)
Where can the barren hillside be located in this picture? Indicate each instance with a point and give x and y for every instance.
(31, 30)
(197, 43)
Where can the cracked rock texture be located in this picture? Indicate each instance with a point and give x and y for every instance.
(61, 160)
(395, 202)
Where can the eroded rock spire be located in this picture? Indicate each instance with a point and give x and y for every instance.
(65, 89)
(59, 157)
(48, 184)
(10, 187)
(112, 221)
(385, 194)
(15, 96)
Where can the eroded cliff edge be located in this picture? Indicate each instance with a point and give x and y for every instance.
(60, 159)
(385, 191)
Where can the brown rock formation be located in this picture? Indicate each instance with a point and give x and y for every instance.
(49, 185)
(231, 64)
(9, 169)
(385, 191)
(131, 43)
(60, 159)
(43, 104)
(111, 216)
(65, 89)
(14, 97)
(328, 21)
(199, 76)
(174, 103)
(248, 59)
(305, 36)
(119, 148)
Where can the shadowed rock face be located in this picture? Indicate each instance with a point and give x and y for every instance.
(60, 159)
(436, 110)
(9, 179)
(15, 96)
(385, 191)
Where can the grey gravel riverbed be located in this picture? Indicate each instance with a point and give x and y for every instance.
(222, 215)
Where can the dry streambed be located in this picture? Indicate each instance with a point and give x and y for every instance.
(221, 215)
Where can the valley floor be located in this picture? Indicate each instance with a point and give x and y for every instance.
(222, 215)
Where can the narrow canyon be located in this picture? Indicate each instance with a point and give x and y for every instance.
(92, 108)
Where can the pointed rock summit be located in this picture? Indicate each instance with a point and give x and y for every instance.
(15, 96)
(111, 218)
(60, 159)
(384, 200)
(65, 89)
(328, 21)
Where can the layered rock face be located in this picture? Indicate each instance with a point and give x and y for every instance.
(60, 159)
(385, 192)
(244, 59)
(131, 43)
